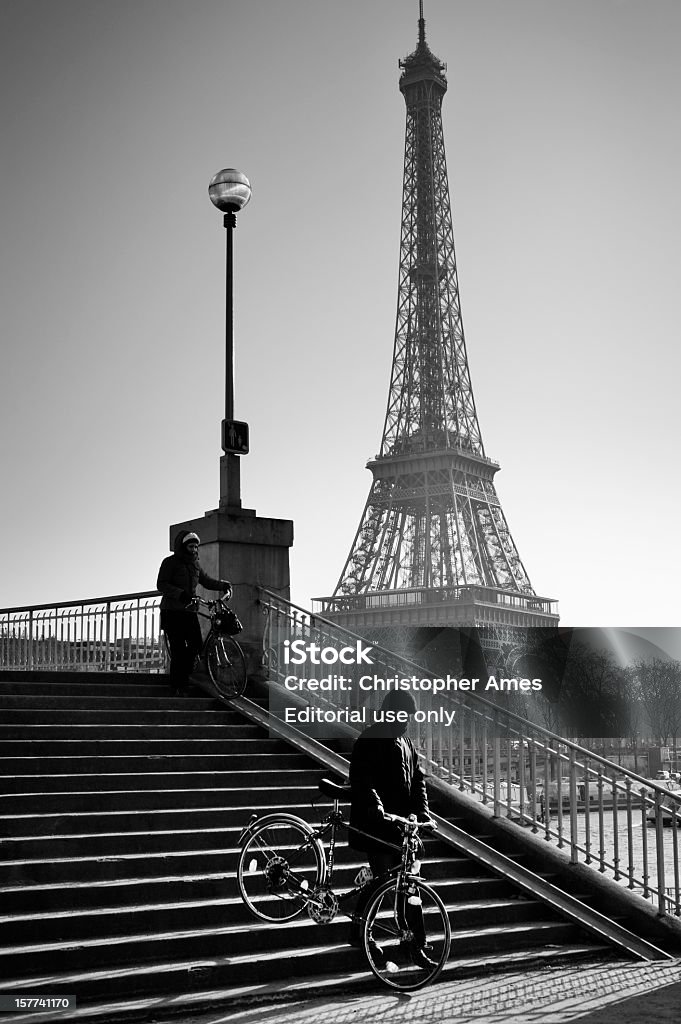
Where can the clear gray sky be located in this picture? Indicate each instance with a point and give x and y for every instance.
(563, 135)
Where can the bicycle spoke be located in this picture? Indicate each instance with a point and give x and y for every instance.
(406, 934)
(278, 866)
(226, 665)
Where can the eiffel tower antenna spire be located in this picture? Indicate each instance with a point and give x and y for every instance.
(433, 546)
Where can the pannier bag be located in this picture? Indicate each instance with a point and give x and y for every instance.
(228, 622)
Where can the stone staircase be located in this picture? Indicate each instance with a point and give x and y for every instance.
(120, 812)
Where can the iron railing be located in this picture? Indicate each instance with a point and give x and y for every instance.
(604, 815)
(408, 596)
(105, 634)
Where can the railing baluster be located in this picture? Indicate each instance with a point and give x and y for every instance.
(574, 851)
(497, 765)
(107, 637)
(462, 748)
(483, 754)
(30, 641)
(521, 776)
(601, 822)
(473, 753)
(615, 829)
(533, 781)
(587, 813)
(509, 783)
(630, 834)
(547, 794)
(659, 843)
(645, 801)
(559, 795)
(676, 823)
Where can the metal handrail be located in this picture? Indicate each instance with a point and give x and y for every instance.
(494, 708)
(431, 595)
(111, 599)
(116, 633)
(572, 796)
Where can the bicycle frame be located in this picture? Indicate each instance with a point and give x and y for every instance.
(402, 871)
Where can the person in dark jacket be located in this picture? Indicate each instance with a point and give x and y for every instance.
(178, 578)
(386, 778)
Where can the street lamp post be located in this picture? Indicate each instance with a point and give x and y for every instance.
(230, 190)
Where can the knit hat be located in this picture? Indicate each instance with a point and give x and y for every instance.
(191, 538)
(399, 700)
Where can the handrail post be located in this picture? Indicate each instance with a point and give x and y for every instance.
(107, 636)
(630, 834)
(659, 843)
(496, 767)
(533, 783)
(676, 822)
(644, 834)
(29, 659)
(574, 849)
(559, 795)
(615, 828)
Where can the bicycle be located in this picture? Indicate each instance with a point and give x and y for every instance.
(283, 869)
(220, 653)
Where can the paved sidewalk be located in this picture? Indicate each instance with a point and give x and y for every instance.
(592, 993)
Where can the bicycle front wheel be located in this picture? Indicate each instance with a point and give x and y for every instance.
(226, 666)
(279, 865)
(406, 933)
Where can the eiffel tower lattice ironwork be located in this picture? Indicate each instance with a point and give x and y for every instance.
(433, 546)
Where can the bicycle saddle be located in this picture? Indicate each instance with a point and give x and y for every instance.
(334, 790)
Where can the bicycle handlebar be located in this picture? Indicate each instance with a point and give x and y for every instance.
(410, 824)
(211, 604)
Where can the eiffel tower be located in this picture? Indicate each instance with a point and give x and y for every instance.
(433, 546)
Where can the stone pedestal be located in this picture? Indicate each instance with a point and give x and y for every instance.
(249, 551)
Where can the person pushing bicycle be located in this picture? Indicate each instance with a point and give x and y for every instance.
(178, 578)
(386, 779)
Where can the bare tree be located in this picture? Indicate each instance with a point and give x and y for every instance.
(660, 687)
(592, 695)
(634, 711)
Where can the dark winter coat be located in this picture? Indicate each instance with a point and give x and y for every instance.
(179, 576)
(385, 777)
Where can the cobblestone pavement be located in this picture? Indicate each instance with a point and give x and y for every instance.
(591, 993)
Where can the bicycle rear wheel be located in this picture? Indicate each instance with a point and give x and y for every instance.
(279, 865)
(226, 666)
(406, 934)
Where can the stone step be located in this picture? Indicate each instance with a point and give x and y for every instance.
(215, 913)
(116, 843)
(57, 802)
(24, 860)
(91, 889)
(149, 819)
(219, 857)
(123, 687)
(270, 947)
(128, 745)
(199, 994)
(121, 807)
(84, 736)
(47, 786)
(33, 680)
(138, 763)
(162, 701)
(41, 719)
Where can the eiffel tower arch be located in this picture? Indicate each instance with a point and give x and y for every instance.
(433, 547)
